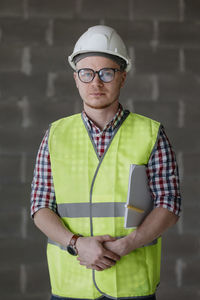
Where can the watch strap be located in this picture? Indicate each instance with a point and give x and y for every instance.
(74, 240)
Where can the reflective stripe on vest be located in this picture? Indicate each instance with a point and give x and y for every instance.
(99, 210)
(90, 194)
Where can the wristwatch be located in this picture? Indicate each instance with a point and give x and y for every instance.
(71, 247)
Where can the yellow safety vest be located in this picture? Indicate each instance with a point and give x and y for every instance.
(91, 193)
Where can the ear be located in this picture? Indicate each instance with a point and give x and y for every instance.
(76, 79)
(123, 78)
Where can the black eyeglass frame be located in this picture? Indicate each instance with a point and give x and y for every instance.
(97, 72)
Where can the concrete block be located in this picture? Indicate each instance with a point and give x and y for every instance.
(133, 32)
(14, 197)
(9, 277)
(49, 59)
(105, 9)
(168, 276)
(179, 34)
(35, 87)
(44, 115)
(65, 87)
(9, 169)
(10, 114)
(178, 275)
(10, 58)
(191, 221)
(191, 164)
(184, 293)
(191, 273)
(190, 191)
(25, 140)
(156, 61)
(26, 251)
(155, 9)
(138, 86)
(11, 8)
(192, 10)
(165, 112)
(46, 8)
(10, 228)
(192, 60)
(184, 246)
(67, 32)
(178, 87)
(37, 276)
(32, 86)
(26, 296)
(192, 114)
(40, 118)
(17, 31)
(178, 138)
(175, 273)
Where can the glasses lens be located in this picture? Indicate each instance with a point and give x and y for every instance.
(86, 75)
(106, 74)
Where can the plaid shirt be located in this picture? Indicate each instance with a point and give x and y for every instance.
(162, 169)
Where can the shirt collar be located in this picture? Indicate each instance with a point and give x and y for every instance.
(110, 126)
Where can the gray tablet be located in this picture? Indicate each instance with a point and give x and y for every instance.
(139, 201)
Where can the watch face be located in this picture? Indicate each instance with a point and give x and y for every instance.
(71, 250)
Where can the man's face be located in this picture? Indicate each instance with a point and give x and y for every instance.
(98, 94)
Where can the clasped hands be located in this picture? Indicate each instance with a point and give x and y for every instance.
(100, 252)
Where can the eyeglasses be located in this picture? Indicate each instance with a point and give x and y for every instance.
(106, 74)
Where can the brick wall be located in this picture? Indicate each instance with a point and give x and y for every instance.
(36, 87)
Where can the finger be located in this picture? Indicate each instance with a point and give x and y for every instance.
(112, 255)
(108, 262)
(81, 260)
(103, 266)
(95, 267)
(105, 261)
(78, 258)
(82, 263)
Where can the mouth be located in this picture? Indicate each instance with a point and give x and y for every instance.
(97, 94)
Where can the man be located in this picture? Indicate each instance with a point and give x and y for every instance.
(81, 177)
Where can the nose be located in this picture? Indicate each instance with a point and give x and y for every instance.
(97, 81)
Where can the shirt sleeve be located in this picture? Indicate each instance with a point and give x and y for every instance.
(43, 193)
(163, 177)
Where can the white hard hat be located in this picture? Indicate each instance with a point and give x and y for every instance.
(102, 39)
